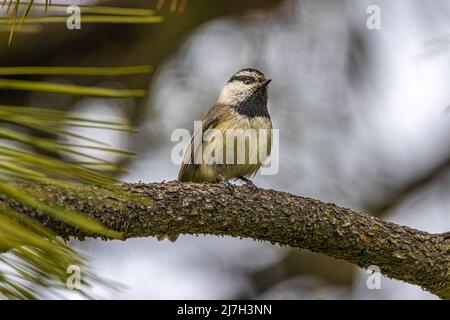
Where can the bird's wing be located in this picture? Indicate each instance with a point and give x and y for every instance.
(188, 166)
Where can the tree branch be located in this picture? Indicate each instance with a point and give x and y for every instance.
(141, 210)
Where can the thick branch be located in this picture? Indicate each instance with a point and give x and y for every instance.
(140, 210)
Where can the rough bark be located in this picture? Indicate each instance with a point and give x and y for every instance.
(141, 210)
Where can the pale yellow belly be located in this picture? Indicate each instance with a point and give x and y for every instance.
(243, 147)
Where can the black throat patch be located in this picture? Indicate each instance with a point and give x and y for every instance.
(255, 105)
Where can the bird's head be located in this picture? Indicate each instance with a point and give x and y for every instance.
(246, 84)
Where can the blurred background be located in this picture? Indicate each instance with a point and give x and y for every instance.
(363, 117)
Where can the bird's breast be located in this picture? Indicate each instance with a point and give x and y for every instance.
(239, 140)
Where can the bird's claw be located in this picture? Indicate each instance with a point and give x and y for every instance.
(251, 186)
(228, 185)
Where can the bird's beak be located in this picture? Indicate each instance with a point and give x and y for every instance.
(265, 83)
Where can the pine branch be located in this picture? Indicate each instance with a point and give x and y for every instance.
(157, 209)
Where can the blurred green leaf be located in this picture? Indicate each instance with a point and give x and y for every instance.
(78, 71)
(91, 14)
(31, 28)
(93, 9)
(10, 84)
(89, 19)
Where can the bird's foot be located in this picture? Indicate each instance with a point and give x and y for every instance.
(171, 237)
(228, 185)
(249, 184)
(226, 182)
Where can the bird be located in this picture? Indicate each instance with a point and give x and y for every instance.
(241, 112)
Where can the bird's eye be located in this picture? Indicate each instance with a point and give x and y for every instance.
(248, 81)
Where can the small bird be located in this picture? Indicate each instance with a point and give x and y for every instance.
(241, 108)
